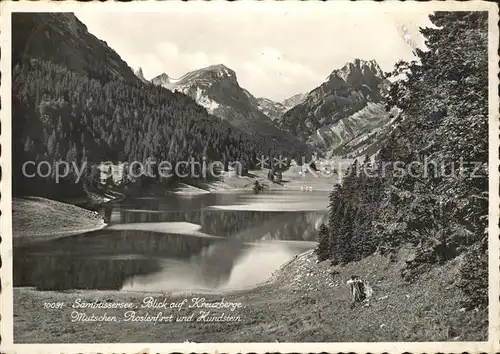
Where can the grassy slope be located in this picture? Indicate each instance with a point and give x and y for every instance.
(302, 302)
(37, 218)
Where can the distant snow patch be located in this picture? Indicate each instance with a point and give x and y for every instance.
(204, 101)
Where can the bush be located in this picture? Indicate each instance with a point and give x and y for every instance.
(474, 278)
(323, 249)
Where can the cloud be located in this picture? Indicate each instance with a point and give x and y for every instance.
(168, 58)
(279, 63)
(167, 50)
(269, 63)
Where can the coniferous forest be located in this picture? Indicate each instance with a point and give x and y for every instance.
(97, 110)
(358, 212)
(441, 214)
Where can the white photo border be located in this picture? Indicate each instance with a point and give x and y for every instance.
(6, 297)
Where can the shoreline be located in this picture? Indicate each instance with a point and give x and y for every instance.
(229, 292)
(31, 239)
(292, 180)
(36, 219)
(300, 302)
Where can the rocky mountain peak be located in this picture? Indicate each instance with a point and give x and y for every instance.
(220, 68)
(217, 89)
(163, 76)
(333, 105)
(140, 74)
(359, 70)
(275, 110)
(162, 80)
(209, 77)
(294, 100)
(221, 71)
(270, 108)
(66, 41)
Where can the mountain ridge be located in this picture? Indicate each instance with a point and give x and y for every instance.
(332, 118)
(74, 98)
(294, 100)
(216, 88)
(140, 75)
(274, 109)
(321, 117)
(42, 34)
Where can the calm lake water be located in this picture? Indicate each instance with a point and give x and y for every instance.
(179, 243)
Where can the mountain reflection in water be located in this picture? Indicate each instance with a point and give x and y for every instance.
(168, 244)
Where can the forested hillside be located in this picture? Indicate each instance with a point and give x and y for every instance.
(74, 99)
(416, 192)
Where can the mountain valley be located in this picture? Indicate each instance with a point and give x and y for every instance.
(344, 116)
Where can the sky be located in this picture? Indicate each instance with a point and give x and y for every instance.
(275, 54)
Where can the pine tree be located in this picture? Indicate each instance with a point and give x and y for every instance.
(51, 144)
(72, 154)
(28, 145)
(323, 248)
